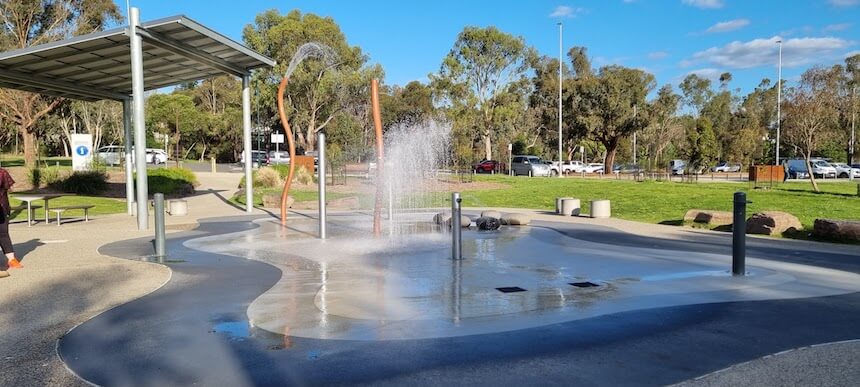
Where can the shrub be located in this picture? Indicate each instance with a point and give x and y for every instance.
(283, 169)
(34, 176)
(83, 183)
(52, 176)
(303, 176)
(171, 181)
(267, 177)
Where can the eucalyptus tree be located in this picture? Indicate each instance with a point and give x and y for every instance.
(27, 23)
(665, 128)
(483, 82)
(173, 113)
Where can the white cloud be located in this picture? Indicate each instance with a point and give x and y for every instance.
(565, 11)
(764, 52)
(727, 26)
(708, 4)
(836, 27)
(852, 53)
(844, 3)
(708, 73)
(657, 55)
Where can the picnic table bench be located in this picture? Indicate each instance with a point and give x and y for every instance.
(60, 210)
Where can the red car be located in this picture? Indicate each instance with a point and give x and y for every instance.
(487, 166)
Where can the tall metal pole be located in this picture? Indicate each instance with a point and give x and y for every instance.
(136, 46)
(129, 174)
(560, 65)
(246, 133)
(853, 118)
(321, 181)
(634, 136)
(778, 101)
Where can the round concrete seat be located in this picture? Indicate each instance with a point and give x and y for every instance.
(442, 217)
(516, 219)
(491, 214)
(558, 204)
(177, 207)
(465, 221)
(570, 207)
(600, 209)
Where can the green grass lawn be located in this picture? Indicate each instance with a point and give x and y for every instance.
(102, 205)
(666, 202)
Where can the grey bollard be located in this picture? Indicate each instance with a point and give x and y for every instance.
(739, 228)
(456, 227)
(159, 227)
(570, 207)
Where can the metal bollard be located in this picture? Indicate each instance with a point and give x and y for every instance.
(739, 229)
(159, 227)
(212, 162)
(456, 227)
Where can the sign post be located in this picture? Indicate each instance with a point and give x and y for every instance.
(82, 151)
(277, 138)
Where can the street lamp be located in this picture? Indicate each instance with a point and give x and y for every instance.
(560, 167)
(778, 100)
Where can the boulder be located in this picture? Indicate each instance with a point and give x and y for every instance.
(842, 230)
(442, 217)
(773, 223)
(712, 219)
(491, 213)
(516, 219)
(488, 223)
(465, 221)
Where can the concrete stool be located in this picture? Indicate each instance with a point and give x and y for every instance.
(177, 207)
(600, 209)
(558, 205)
(570, 207)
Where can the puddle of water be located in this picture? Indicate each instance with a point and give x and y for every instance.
(237, 330)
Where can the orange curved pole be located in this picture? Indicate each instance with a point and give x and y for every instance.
(289, 134)
(377, 124)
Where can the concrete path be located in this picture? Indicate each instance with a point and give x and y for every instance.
(65, 281)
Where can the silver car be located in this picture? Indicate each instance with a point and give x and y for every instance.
(529, 166)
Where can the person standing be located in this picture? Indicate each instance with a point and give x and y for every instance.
(6, 183)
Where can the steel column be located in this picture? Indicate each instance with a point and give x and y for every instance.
(246, 133)
(129, 175)
(321, 181)
(139, 124)
(456, 227)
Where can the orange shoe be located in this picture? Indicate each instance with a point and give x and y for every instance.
(14, 264)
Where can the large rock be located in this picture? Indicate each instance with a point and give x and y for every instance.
(516, 219)
(465, 221)
(841, 230)
(488, 223)
(442, 217)
(773, 223)
(709, 218)
(491, 213)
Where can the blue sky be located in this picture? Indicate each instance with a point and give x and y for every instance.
(669, 38)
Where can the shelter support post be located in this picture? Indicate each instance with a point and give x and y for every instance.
(127, 137)
(246, 137)
(136, 46)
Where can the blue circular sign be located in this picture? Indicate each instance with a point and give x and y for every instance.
(82, 150)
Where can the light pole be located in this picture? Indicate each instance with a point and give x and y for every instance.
(560, 166)
(778, 100)
(853, 118)
(634, 138)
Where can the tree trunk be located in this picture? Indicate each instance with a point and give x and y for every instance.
(811, 175)
(611, 148)
(29, 146)
(488, 147)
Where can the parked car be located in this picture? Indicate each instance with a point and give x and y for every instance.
(725, 166)
(821, 168)
(487, 166)
(111, 154)
(625, 168)
(525, 165)
(796, 169)
(279, 157)
(844, 170)
(677, 167)
(156, 156)
(593, 168)
(258, 158)
(567, 166)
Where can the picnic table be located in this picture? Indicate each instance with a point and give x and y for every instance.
(30, 198)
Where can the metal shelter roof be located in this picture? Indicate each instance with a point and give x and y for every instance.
(97, 66)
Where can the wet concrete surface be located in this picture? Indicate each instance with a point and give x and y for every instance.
(196, 329)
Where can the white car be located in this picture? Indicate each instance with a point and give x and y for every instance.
(727, 167)
(593, 168)
(156, 156)
(823, 169)
(279, 157)
(844, 170)
(568, 166)
(111, 154)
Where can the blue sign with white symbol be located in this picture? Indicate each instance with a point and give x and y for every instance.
(82, 150)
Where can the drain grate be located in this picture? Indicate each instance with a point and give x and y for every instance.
(511, 289)
(584, 284)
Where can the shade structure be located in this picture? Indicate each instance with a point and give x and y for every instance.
(123, 62)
